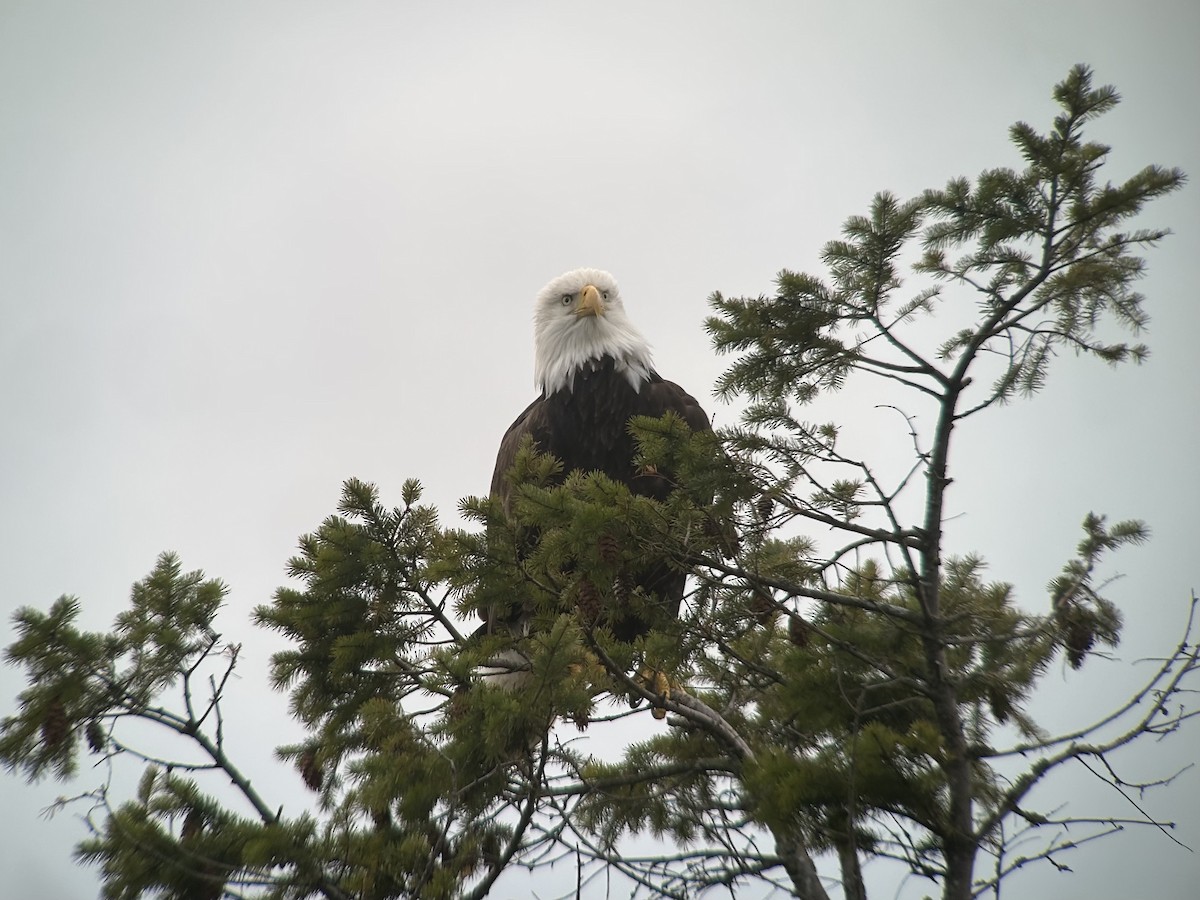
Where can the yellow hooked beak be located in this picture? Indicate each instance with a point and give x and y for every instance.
(590, 302)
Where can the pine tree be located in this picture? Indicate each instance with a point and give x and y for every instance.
(858, 699)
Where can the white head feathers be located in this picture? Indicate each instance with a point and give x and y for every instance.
(573, 326)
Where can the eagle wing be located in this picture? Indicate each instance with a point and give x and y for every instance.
(660, 579)
(531, 421)
(662, 396)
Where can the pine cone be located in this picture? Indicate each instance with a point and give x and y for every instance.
(193, 822)
(457, 704)
(55, 724)
(798, 631)
(210, 885)
(95, 736)
(1000, 705)
(622, 589)
(762, 606)
(724, 537)
(1079, 639)
(765, 506)
(581, 720)
(310, 770)
(490, 846)
(609, 549)
(588, 604)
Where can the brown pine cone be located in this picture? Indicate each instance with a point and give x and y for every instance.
(999, 703)
(55, 724)
(1079, 640)
(798, 631)
(192, 823)
(762, 606)
(457, 704)
(609, 549)
(622, 588)
(764, 507)
(310, 770)
(588, 604)
(95, 736)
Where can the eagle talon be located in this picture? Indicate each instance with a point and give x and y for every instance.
(657, 683)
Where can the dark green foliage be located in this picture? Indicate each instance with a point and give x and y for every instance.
(172, 839)
(1083, 616)
(837, 682)
(1046, 239)
(178, 842)
(365, 604)
(805, 339)
(79, 680)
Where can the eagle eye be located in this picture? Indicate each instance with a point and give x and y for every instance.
(604, 294)
(566, 299)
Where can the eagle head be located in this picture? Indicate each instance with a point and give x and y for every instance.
(579, 318)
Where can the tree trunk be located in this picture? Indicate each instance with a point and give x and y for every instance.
(800, 868)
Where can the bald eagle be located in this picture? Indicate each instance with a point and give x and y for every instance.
(595, 373)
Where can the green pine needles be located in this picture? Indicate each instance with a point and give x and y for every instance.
(838, 688)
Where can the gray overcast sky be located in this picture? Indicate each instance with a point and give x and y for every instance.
(248, 250)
